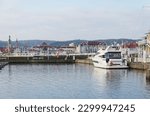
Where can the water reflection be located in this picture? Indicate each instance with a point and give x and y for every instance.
(71, 81)
(110, 80)
(9, 70)
(147, 76)
(147, 81)
(109, 76)
(147, 91)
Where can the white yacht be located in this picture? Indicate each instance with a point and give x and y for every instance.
(109, 58)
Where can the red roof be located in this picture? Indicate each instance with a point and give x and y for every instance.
(130, 45)
(5, 49)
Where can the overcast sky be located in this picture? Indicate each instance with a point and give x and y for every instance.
(74, 19)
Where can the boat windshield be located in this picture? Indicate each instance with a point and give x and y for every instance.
(113, 55)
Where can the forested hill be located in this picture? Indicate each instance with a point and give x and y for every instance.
(65, 43)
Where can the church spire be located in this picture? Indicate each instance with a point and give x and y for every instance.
(9, 44)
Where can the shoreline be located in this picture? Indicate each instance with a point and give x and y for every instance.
(62, 59)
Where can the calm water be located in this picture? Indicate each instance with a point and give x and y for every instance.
(71, 81)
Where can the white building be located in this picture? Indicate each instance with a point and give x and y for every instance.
(67, 50)
(144, 49)
(130, 49)
(89, 47)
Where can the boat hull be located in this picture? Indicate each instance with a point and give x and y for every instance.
(98, 65)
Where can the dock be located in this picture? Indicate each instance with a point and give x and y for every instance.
(45, 59)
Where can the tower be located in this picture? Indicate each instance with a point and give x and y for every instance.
(9, 45)
(17, 43)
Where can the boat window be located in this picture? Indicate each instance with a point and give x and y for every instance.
(113, 55)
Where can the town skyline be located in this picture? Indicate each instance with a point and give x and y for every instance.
(62, 20)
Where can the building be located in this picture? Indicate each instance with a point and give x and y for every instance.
(144, 49)
(89, 47)
(67, 50)
(130, 51)
(45, 49)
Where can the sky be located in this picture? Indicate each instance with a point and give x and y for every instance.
(74, 19)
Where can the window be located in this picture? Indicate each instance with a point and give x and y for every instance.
(113, 55)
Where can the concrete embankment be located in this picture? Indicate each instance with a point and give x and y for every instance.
(42, 59)
(45, 59)
(139, 65)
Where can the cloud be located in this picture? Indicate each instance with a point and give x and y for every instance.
(8, 4)
(69, 23)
